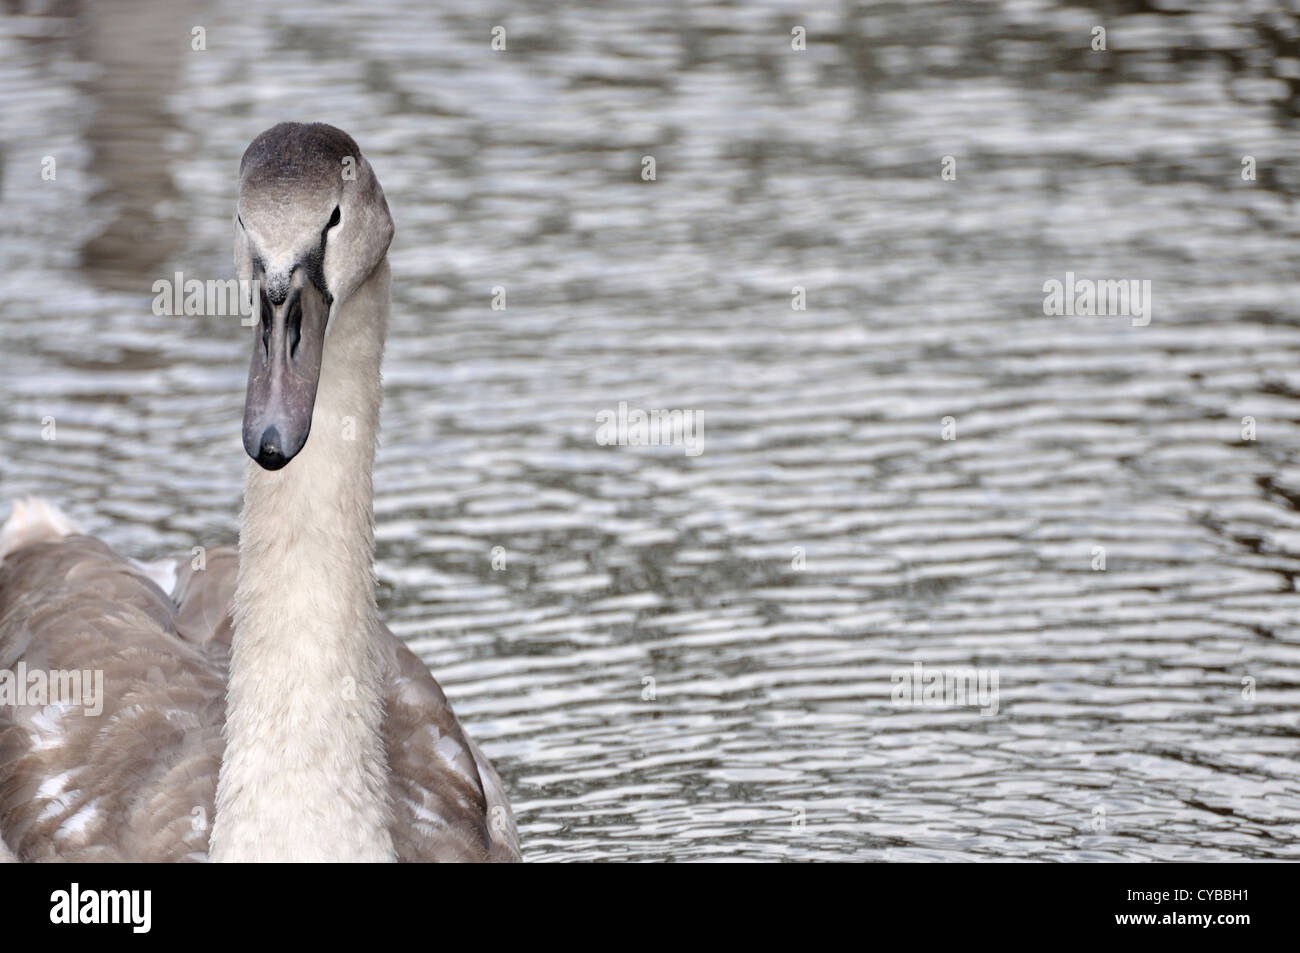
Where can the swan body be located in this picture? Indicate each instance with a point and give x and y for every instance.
(255, 707)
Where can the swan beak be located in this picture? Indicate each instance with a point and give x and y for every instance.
(284, 374)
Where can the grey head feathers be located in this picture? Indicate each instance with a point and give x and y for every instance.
(309, 199)
(295, 152)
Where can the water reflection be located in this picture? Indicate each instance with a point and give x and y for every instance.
(136, 48)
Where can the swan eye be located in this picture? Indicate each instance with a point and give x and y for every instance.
(334, 219)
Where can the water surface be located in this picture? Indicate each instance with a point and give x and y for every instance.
(828, 536)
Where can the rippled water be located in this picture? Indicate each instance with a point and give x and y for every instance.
(1124, 728)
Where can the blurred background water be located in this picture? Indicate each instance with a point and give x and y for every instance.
(1124, 730)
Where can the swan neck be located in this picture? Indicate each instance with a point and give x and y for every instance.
(304, 775)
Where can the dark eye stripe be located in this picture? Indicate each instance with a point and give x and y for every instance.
(334, 219)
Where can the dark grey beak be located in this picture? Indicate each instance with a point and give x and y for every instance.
(285, 372)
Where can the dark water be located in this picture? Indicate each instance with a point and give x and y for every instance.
(1145, 712)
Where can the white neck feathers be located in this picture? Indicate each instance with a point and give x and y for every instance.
(304, 776)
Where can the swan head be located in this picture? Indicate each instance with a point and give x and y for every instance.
(311, 224)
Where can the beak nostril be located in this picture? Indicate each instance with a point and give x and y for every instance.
(295, 326)
(266, 313)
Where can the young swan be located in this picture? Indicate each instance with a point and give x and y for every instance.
(305, 773)
(305, 730)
